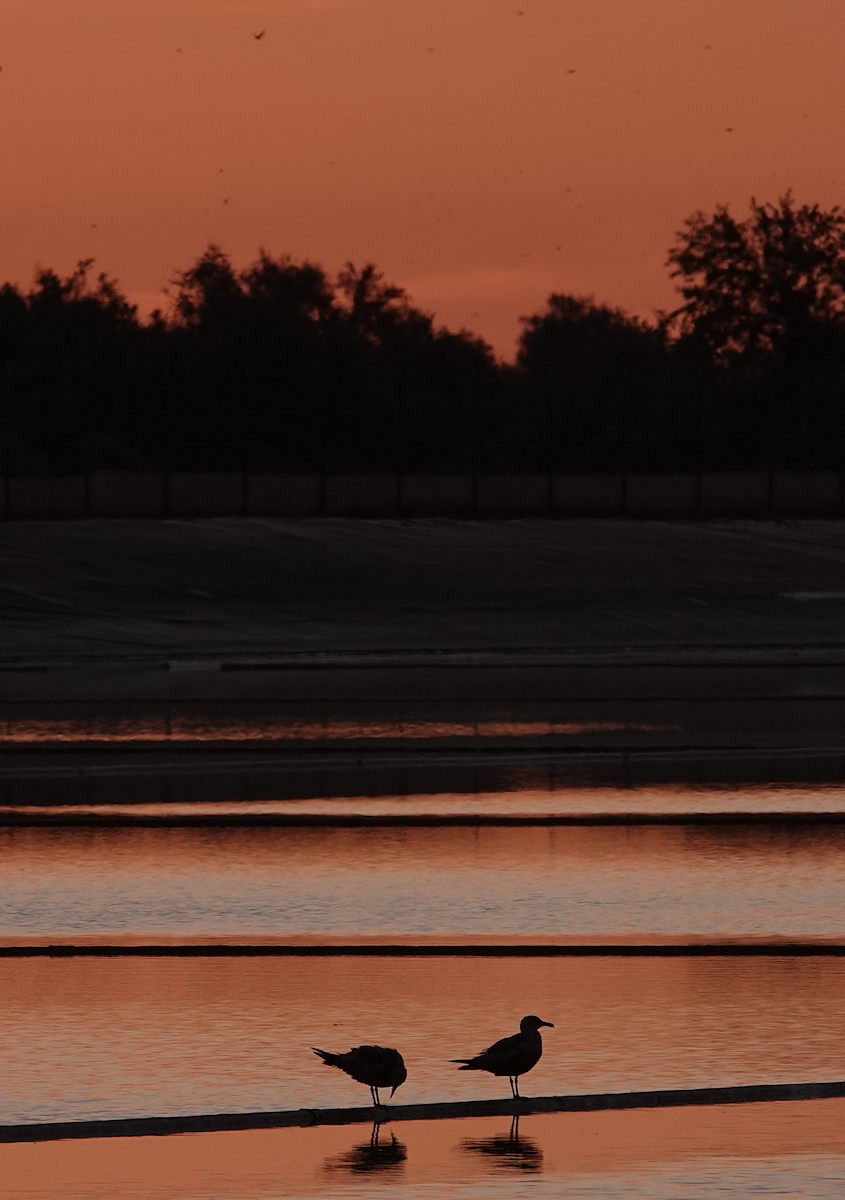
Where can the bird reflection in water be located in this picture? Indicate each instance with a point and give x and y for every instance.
(374, 1155)
(511, 1152)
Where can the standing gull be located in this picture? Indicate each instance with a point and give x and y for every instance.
(376, 1066)
(511, 1056)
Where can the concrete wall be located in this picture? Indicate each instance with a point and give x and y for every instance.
(735, 493)
(512, 494)
(127, 494)
(205, 493)
(62, 497)
(438, 495)
(361, 495)
(810, 492)
(283, 495)
(595, 495)
(669, 493)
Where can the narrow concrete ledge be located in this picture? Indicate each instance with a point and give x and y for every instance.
(573, 949)
(209, 820)
(303, 1117)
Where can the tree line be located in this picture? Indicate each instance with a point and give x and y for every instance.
(279, 367)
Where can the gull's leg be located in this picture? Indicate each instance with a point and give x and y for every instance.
(516, 1087)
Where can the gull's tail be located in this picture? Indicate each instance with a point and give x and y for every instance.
(331, 1060)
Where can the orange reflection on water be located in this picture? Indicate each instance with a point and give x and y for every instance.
(555, 883)
(133, 1037)
(181, 728)
(540, 803)
(793, 1150)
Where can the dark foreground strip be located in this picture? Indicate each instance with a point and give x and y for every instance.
(427, 950)
(218, 1122)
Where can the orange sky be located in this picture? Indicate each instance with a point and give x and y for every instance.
(482, 152)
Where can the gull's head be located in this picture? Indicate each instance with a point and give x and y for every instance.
(401, 1073)
(532, 1024)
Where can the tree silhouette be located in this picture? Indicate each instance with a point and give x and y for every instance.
(69, 355)
(771, 286)
(414, 389)
(763, 324)
(380, 313)
(208, 294)
(14, 319)
(575, 334)
(595, 373)
(279, 367)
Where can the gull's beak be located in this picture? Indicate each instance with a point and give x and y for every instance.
(549, 1023)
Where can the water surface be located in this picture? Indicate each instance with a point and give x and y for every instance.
(548, 883)
(107, 1037)
(792, 1151)
(133, 1037)
(519, 798)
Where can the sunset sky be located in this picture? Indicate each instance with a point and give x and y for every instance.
(483, 153)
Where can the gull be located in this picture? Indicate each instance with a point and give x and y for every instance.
(259, 36)
(511, 1056)
(376, 1066)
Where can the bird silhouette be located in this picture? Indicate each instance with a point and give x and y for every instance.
(376, 1066)
(511, 1056)
(259, 36)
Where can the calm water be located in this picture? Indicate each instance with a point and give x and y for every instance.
(460, 883)
(788, 1151)
(213, 723)
(100, 1037)
(519, 796)
(120, 1037)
